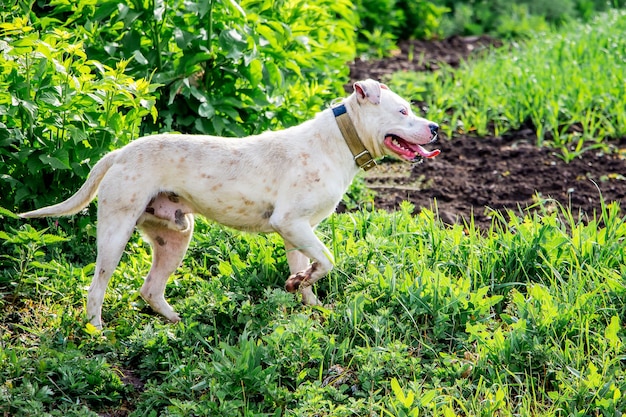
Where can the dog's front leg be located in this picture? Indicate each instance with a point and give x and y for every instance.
(299, 262)
(299, 237)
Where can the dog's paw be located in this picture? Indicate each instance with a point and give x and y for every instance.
(294, 281)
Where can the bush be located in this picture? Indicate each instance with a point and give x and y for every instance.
(513, 19)
(228, 68)
(61, 113)
(382, 23)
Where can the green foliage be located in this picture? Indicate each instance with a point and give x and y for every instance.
(61, 112)
(76, 71)
(226, 67)
(382, 23)
(22, 258)
(425, 320)
(573, 108)
(516, 19)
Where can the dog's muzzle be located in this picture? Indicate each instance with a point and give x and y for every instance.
(434, 130)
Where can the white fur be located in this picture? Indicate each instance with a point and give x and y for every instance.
(285, 181)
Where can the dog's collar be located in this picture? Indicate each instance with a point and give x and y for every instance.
(362, 156)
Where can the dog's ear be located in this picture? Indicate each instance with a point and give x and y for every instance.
(368, 90)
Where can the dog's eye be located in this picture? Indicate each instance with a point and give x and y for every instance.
(404, 111)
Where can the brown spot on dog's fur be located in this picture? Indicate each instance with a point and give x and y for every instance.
(173, 197)
(293, 282)
(311, 177)
(179, 217)
(268, 213)
(160, 241)
(304, 157)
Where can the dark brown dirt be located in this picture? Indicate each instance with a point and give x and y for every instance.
(475, 174)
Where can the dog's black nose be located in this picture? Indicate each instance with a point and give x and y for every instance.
(434, 128)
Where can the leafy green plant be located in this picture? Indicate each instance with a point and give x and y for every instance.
(383, 23)
(228, 68)
(376, 44)
(62, 112)
(22, 258)
(526, 316)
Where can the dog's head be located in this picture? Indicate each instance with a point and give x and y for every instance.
(386, 124)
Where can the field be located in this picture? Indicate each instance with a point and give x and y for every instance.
(430, 311)
(479, 174)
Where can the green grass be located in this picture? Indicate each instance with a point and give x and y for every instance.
(568, 85)
(526, 319)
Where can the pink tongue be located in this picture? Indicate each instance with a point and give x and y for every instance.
(427, 154)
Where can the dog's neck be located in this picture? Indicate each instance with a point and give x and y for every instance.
(361, 155)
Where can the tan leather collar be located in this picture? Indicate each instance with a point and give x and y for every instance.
(362, 156)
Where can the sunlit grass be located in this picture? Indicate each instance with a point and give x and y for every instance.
(526, 319)
(568, 85)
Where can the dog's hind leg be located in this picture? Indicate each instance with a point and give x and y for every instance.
(112, 239)
(169, 244)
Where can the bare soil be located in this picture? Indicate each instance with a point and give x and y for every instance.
(473, 175)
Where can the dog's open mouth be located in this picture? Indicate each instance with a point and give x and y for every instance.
(407, 150)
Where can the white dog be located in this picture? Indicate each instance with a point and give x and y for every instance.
(286, 182)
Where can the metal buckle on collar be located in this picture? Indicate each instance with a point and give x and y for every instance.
(367, 163)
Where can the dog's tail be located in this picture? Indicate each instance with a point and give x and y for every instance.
(83, 196)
